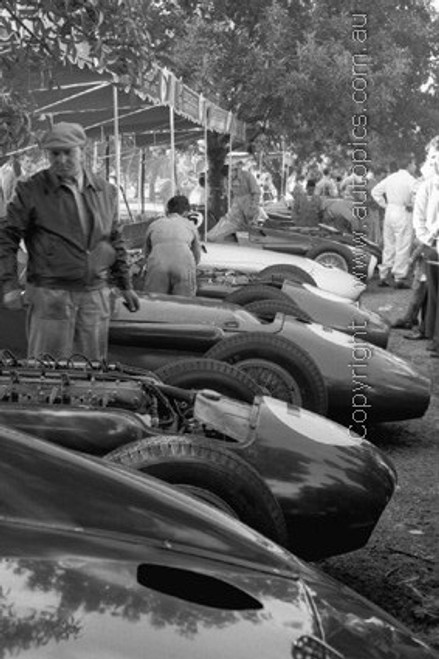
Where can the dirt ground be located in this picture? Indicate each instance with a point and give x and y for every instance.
(399, 568)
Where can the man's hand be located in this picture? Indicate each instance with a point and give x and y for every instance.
(14, 300)
(131, 300)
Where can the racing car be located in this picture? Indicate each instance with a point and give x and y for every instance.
(302, 362)
(291, 474)
(96, 561)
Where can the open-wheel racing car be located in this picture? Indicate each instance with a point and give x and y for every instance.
(323, 244)
(304, 363)
(98, 561)
(266, 297)
(255, 262)
(291, 474)
(338, 241)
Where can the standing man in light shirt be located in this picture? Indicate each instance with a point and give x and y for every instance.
(244, 208)
(68, 220)
(395, 194)
(426, 226)
(326, 186)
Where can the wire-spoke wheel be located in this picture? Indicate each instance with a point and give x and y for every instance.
(274, 379)
(332, 260)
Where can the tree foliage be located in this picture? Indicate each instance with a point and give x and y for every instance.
(113, 33)
(288, 68)
(121, 35)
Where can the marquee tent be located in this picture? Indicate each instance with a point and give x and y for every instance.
(76, 91)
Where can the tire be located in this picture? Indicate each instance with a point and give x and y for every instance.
(266, 310)
(291, 357)
(201, 373)
(333, 256)
(274, 379)
(253, 292)
(277, 273)
(227, 480)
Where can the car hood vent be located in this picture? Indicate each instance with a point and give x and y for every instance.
(195, 587)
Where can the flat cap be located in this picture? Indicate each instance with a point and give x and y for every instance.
(64, 135)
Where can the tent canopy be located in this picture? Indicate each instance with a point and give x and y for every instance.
(83, 95)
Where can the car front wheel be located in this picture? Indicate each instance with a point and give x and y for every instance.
(292, 358)
(213, 474)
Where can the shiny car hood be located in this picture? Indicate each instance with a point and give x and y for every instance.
(74, 606)
(96, 561)
(79, 603)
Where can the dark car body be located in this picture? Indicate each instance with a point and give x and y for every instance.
(95, 561)
(329, 484)
(357, 257)
(166, 327)
(365, 383)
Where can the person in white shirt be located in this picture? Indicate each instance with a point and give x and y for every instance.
(349, 185)
(395, 194)
(426, 226)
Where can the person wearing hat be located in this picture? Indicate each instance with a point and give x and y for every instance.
(68, 220)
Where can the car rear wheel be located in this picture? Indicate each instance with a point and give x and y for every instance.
(213, 374)
(214, 474)
(254, 292)
(291, 357)
(277, 274)
(266, 310)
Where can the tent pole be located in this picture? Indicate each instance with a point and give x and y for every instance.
(116, 144)
(284, 174)
(229, 174)
(206, 177)
(107, 157)
(95, 155)
(172, 128)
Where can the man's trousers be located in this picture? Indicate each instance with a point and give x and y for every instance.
(61, 323)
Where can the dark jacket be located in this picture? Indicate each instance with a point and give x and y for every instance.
(44, 214)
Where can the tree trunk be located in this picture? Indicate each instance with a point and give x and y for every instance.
(217, 150)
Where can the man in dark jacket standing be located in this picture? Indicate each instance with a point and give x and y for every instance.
(68, 220)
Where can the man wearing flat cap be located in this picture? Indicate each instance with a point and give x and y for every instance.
(68, 220)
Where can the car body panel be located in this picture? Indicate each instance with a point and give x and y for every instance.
(79, 584)
(120, 503)
(321, 306)
(302, 240)
(329, 483)
(164, 624)
(335, 312)
(252, 260)
(361, 376)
